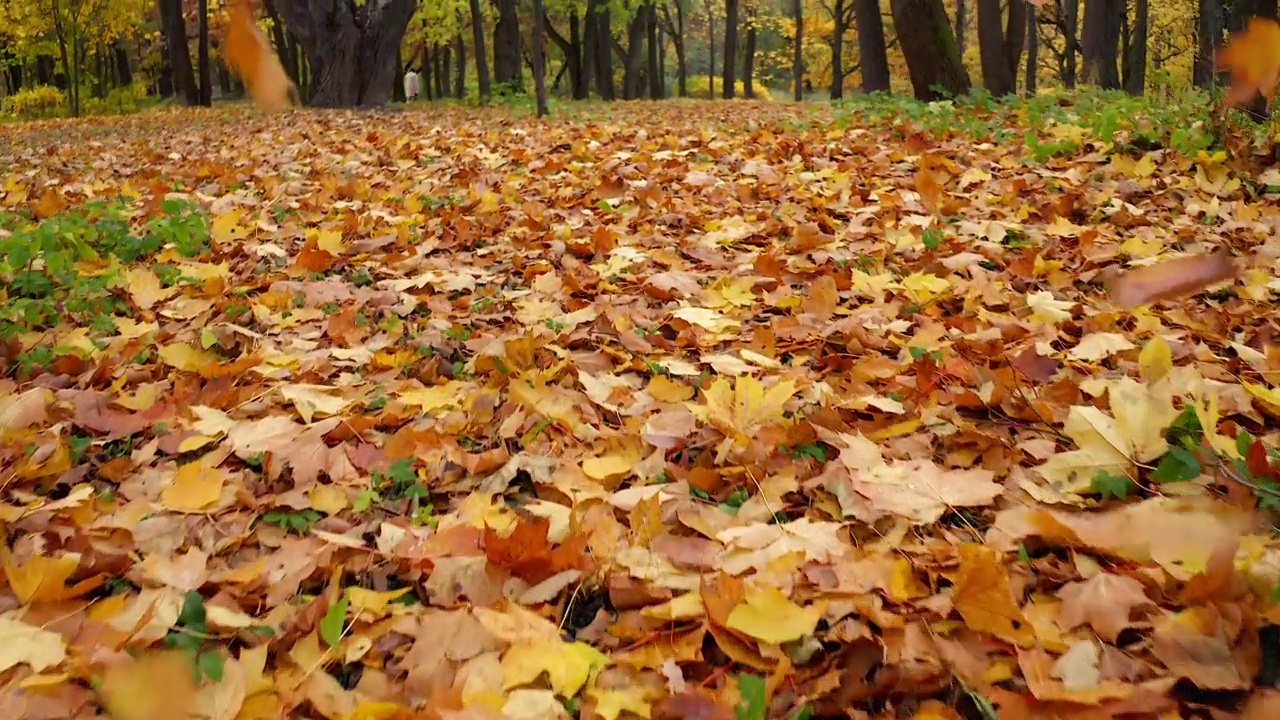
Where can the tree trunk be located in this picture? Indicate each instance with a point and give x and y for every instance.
(1135, 77)
(873, 59)
(443, 59)
(730, 48)
(506, 46)
(202, 53)
(397, 88)
(1001, 49)
(634, 58)
(604, 54)
(459, 67)
(711, 51)
(350, 48)
(539, 59)
(1033, 49)
(1071, 21)
(482, 59)
(571, 49)
(1100, 42)
(933, 60)
(656, 91)
(120, 55)
(284, 49)
(749, 62)
(675, 28)
(837, 49)
(797, 52)
(175, 40)
(1208, 40)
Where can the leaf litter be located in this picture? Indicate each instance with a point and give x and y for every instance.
(676, 411)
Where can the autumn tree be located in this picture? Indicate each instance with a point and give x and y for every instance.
(506, 45)
(672, 17)
(1001, 48)
(351, 47)
(1100, 42)
(933, 59)
(797, 50)
(1134, 62)
(730, 47)
(873, 59)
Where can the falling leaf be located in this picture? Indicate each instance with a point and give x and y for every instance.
(1252, 56)
(1171, 279)
(156, 686)
(250, 56)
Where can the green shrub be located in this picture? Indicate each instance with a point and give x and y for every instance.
(121, 101)
(697, 85)
(41, 101)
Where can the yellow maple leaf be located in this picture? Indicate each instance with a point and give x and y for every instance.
(768, 615)
(923, 287)
(226, 228)
(156, 686)
(436, 397)
(195, 487)
(568, 665)
(21, 643)
(1134, 433)
(184, 357)
(740, 408)
(612, 465)
(43, 578)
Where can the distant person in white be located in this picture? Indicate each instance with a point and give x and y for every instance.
(411, 85)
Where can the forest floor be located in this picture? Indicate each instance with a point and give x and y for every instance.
(682, 409)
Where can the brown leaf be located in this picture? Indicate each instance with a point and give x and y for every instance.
(1105, 602)
(1171, 279)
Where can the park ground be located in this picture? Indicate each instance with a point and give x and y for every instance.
(680, 409)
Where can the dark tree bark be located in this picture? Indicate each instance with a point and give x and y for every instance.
(675, 28)
(1071, 21)
(124, 73)
(285, 49)
(1100, 42)
(1135, 60)
(656, 91)
(202, 53)
(351, 48)
(1001, 49)
(873, 59)
(749, 62)
(1033, 49)
(482, 59)
(459, 67)
(1208, 40)
(711, 50)
(588, 46)
(539, 60)
(397, 87)
(174, 29)
(933, 60)
(603, 52)
(962, 26)
(797, 52)
(633, 60)
(839, 23)
(730, 48)
(506, 45)
(443, 58)
(571, 48)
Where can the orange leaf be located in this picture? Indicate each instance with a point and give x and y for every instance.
(1171, 279)
(249, 55)
(1253, 59)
